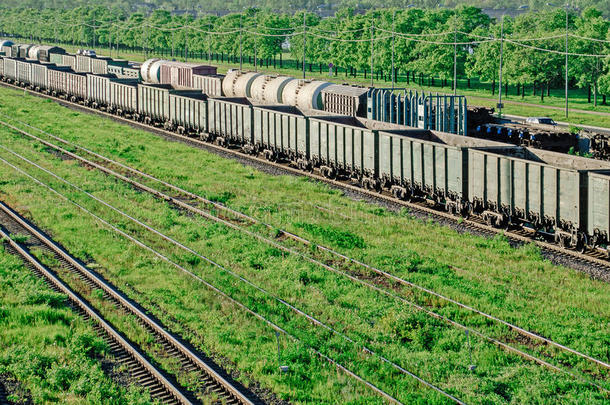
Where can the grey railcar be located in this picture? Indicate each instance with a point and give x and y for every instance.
(10, 69)
(102, 65)
(69, 60)
(39, 79)
(124, 97)
(76, 86)
(429, 164)
(83, 64)
(98, 89)
(281, 132)
(154, 103)
(209, 84)
(24, 72)
(231, 120)
(598, 209)
(188, 113)
(20, 50)
(2, 66)
(545, 189)
(344, 146)
(56, 58)
(57, 81)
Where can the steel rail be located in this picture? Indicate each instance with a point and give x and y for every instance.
(127, 304)
(91, 312)
(236, 302)
(232, 273)
(291, 235)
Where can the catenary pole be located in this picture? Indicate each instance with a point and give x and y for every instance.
(372, 47)
(304, 39)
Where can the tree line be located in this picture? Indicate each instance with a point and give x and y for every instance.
(420, 42)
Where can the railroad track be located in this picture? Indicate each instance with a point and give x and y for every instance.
(214, 386)
(218, 291)
(188, 201)
(592, 262)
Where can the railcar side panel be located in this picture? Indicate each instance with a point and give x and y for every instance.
(153, 102)
(98, 89)
(598, 212)
(124, 96)
(24, 71)
(232, 120)
(40, 76)
(69, 60)
(188, 112)
(10, 68)
(76, 85)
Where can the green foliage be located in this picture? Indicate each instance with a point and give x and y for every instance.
(344, 39)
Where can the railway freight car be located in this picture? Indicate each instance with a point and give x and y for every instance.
(281, 132)
(238, 84)
(598, 208)
(268, 89)
(101, 65)
(344, 146)
(24, 72)
(345, 100)
(10, 69)
(188, 113)
(20, 50)
(75, 86)
(427, 164)
(40, 76)
(154, 102)
(545, 190)
(209, 84)
(230, 121)
(123, 97)
(5, 47)
(124, 71)
(42, 53)
(69, 60)
(98, 90)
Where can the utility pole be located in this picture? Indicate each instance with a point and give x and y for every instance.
(501, 54)
(186, 45)
(240, 43)
(255, 62)
(566, 61)
(304, 39)
(455, 56)
(209, 41)
(117, 36)
(393, 39)
(372, 47)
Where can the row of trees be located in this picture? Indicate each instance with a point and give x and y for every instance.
(422, 39)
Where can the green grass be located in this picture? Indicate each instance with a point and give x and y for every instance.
(50, 352)
(515, 284)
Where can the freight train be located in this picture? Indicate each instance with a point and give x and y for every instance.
(564, 196)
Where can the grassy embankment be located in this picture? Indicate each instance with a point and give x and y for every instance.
(478, 94)
(47, 352)
(514, 284)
